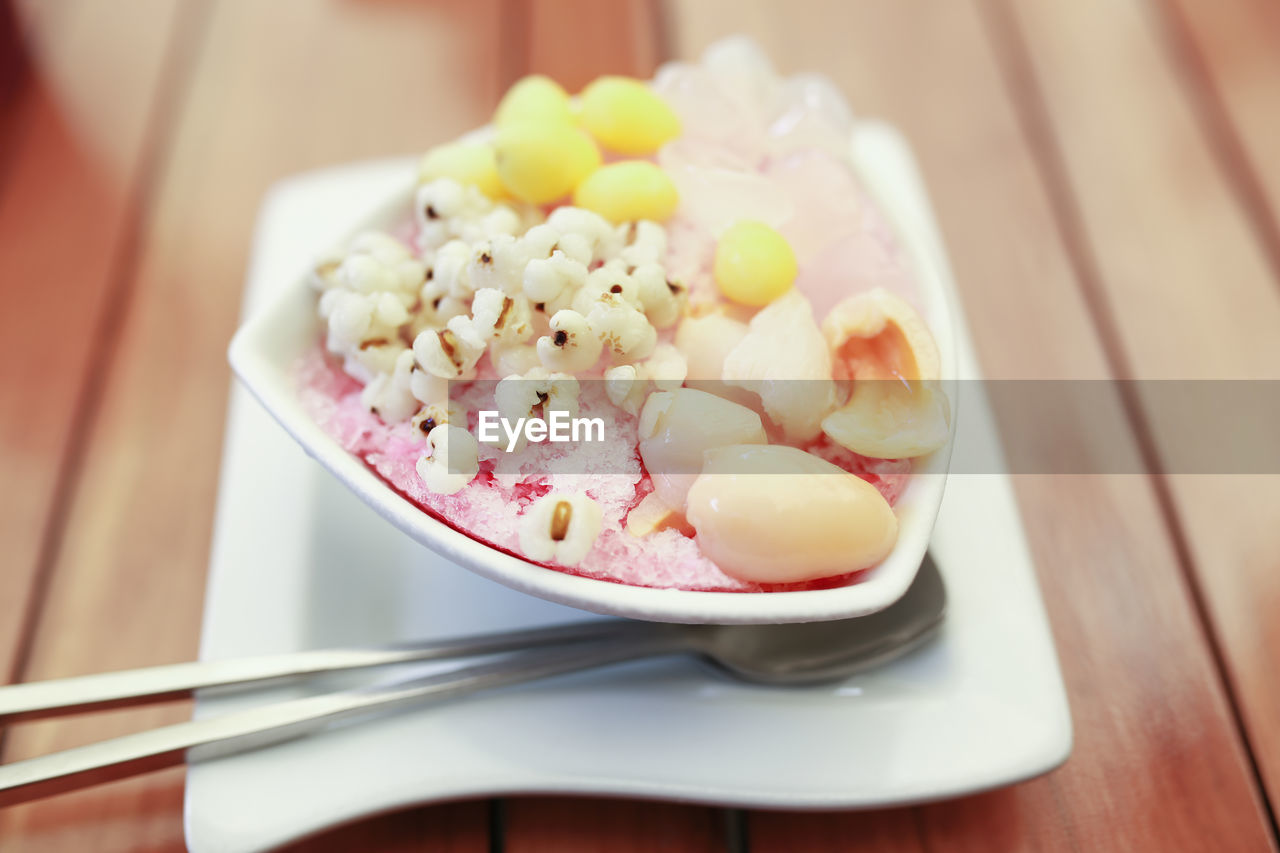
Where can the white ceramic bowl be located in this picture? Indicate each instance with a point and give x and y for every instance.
(266, 349)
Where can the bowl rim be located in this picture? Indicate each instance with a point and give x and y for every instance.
(265, 367)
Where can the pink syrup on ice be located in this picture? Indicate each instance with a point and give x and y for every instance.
(794, 176)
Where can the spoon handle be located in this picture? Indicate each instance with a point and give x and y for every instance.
(175, 681)
(241, 731)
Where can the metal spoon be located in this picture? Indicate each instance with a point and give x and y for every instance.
(809, 653)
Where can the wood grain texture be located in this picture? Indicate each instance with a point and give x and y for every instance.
(68, 210)
(1232, 66)
(1102, 222)
(575, 41)
(13, 64)
(458, 828)
(1143, 687)
(352, 80)
(890, 831)
(1189, 293)
(563, 824)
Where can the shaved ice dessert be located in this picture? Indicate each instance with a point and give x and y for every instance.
(692, 271)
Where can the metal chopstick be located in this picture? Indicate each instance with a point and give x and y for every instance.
(154, 684)
(241, 731)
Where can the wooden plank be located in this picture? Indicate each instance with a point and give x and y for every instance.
(1189, 291)
(1229, 56)
(895, 831)
(560, 824)
(1157, 762)
(13, 63)
(460, 828)
(574, 42)
(68, 212)
(277, 88)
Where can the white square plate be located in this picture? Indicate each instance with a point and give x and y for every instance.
(299, 562)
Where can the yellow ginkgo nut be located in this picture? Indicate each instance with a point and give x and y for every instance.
(534, 98)
(466, 162)
(540, 162)
(754, 263)
(628, 191)
(627, 116)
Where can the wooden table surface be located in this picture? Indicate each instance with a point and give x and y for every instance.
(1107, 177)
